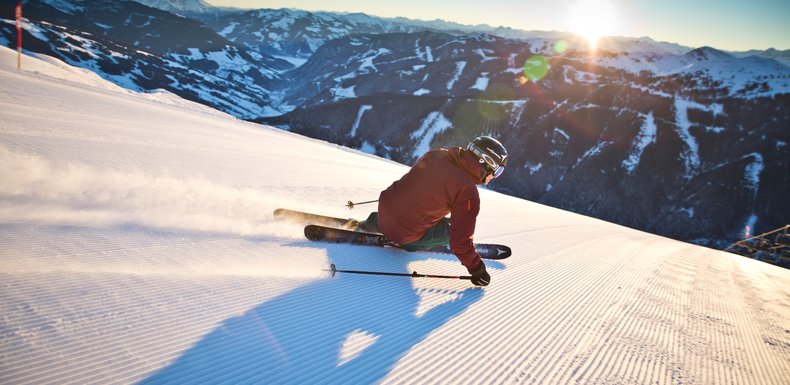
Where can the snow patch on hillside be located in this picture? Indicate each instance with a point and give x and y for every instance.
(481, 83)
(435, 123)
(362, 110)
(459, 69)
(65, 6)
(690, 152)
(752, 172)
(645, 137)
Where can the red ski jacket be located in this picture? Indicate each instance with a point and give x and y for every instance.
(443, 181)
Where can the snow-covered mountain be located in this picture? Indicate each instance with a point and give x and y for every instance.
(143, 48)
(299, 34)
(177, 6)
(780, 56)
(293, 41)
(138, 247)
(709, 71)
(646, 134)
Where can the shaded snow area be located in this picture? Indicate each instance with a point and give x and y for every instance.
(362, 109)
(690, 151)
(138, 247)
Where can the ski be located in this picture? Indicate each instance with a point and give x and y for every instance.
(333, 235)
(316, 219)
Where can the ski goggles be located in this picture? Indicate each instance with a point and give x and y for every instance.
(499, 170)
(495, 168)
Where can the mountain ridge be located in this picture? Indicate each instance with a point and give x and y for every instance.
(501, 31)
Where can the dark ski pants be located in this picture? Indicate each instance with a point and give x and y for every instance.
(438, 235)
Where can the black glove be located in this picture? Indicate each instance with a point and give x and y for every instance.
(480, 276)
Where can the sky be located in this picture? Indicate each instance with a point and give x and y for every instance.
(735, 25)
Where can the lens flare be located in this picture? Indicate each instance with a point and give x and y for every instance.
(560, 46)
(536, 68)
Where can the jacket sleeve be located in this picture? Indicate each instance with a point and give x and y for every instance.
(463, 218)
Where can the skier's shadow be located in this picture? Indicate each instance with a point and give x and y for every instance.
(342, 330)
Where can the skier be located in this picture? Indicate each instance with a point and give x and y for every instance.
(411, 211)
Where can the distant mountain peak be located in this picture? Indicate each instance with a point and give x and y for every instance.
(178, 5)
(707, 53)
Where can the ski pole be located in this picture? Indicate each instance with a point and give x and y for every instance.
(351, 204)
(334, 271)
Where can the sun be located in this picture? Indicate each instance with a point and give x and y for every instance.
(592, 19)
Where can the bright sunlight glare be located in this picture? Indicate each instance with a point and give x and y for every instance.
(592, 19)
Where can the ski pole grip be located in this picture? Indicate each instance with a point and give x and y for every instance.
(351, 204)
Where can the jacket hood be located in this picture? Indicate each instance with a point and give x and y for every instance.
(467, 161)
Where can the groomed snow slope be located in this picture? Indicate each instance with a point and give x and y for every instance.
(137, 245)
